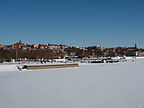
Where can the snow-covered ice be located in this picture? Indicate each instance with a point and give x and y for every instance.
(119, 85)
(8, 68)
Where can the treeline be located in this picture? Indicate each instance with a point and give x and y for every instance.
(98, 52)
(8, 54)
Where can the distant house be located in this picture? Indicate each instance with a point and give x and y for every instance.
(131, 49)
(18, 45)
(27, 47)
(96, 48)
(54, 47)
(64, 46)
(35, 46)
(43, 46)
(2, 46)
(139, 53)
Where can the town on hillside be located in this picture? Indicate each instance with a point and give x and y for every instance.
(57, 52)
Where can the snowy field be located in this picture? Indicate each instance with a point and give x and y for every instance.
(119, 85)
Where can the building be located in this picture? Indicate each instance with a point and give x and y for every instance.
(18, 45)
(35, 46)
(2, 46)
(43, 46)
(54, 47)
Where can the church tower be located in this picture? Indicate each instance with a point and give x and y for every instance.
(135, 46)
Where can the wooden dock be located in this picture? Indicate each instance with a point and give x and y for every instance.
(37, 67)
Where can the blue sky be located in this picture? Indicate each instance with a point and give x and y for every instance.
(107, 23)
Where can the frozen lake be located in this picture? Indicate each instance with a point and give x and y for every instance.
(119, 85)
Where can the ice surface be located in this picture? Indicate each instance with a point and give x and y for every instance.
(8, 67)
(119, 85)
